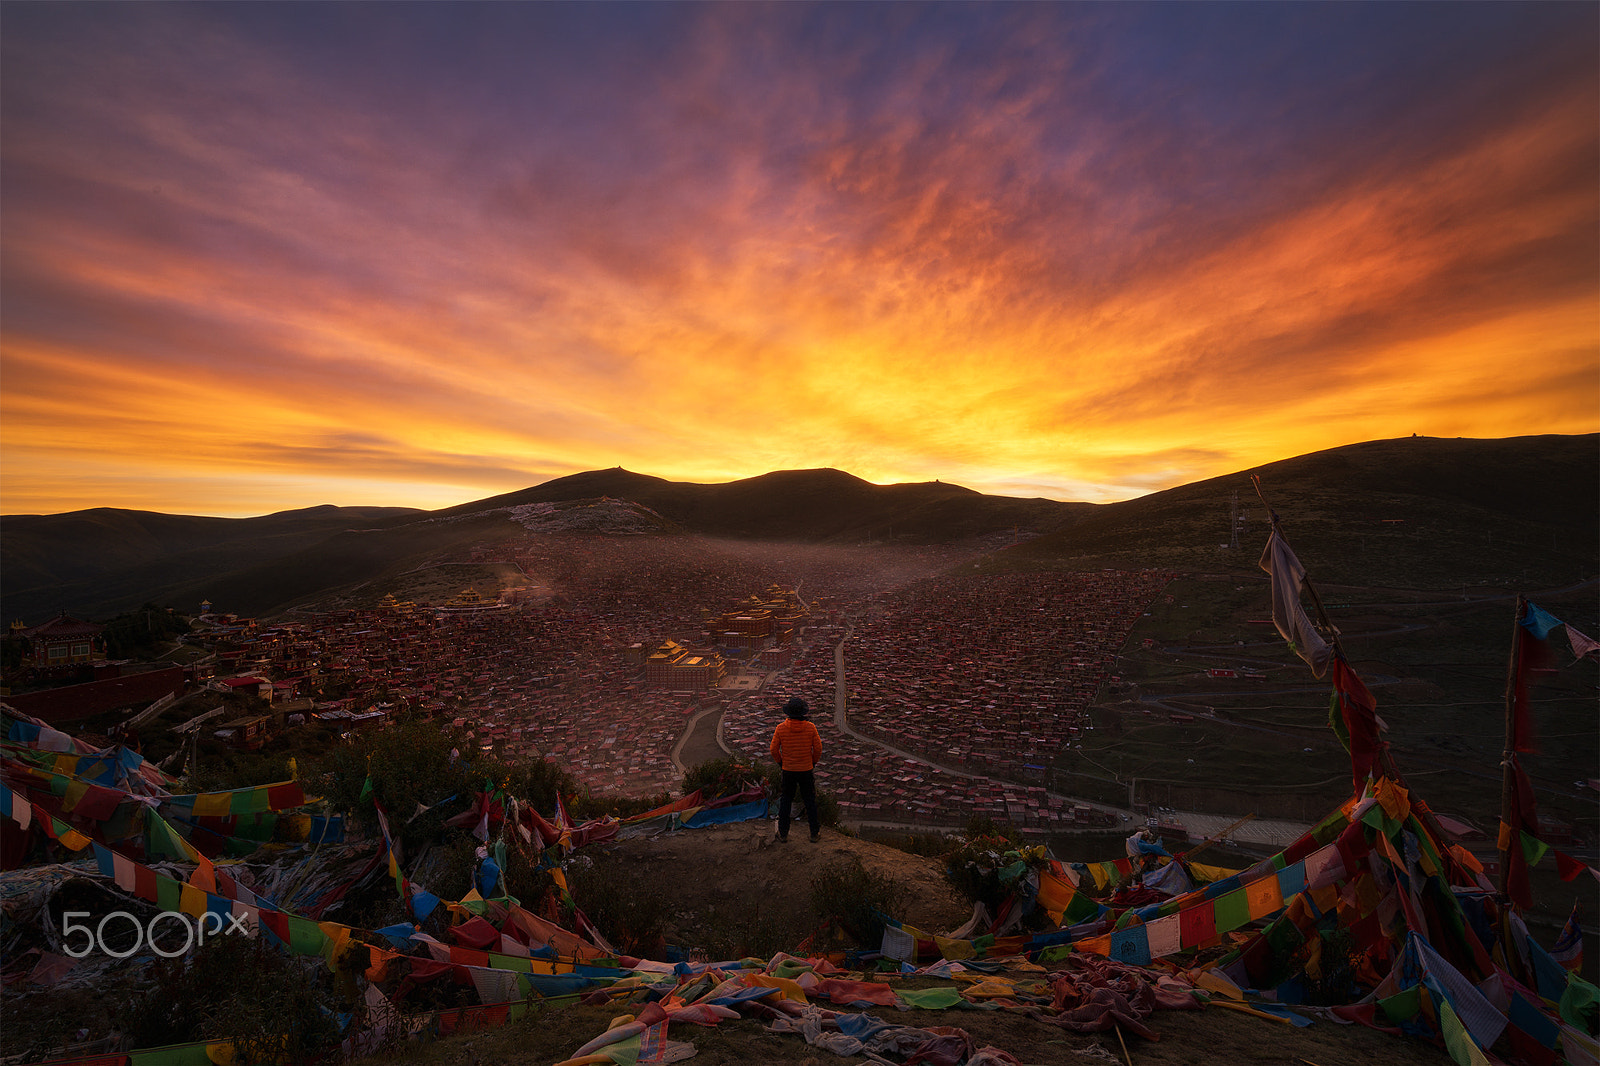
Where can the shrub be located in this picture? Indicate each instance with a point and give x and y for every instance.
(722, 777)
(974, 864)
(857, 898)
(981, 825)
(930, 845)
(622, 904)
(587, 805)
(535, 781)
(409, 764)
(239, 989)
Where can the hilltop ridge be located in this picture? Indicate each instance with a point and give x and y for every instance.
(1415, 512)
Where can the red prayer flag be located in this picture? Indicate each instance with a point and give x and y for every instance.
(1567, 866)
(144, 882)
(277, 923)
(1197, 925)
(283, 797)
(1359, 712)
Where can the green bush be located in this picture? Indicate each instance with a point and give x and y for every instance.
(857, 898)
(722, 777)
(622, 904)
(929, 845)
(409, 764)
(535, 781)
(587, 805)
(974, 864)
(981, 825)
(239, 989)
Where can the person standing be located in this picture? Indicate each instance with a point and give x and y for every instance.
(796, 747)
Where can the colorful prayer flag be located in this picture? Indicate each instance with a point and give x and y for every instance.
(1568, 948)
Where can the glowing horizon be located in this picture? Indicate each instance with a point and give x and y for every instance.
(263, 257)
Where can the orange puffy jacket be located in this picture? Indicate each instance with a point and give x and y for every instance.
(796, 744)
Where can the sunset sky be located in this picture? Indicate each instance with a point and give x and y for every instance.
(266, 256)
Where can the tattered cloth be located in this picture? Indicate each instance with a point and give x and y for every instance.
(1094, 993)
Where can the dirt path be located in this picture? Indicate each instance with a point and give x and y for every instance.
(701, 741)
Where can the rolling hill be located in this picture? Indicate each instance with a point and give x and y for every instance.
(1412, 512)
(99, 562)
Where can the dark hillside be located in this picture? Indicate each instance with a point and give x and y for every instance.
(100, 561)
(343, 561)
(1415, 512)
(814, 506)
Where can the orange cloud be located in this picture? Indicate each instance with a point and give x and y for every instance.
(1007, 263)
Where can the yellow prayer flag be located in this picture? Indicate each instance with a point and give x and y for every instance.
(787, 988)
(73, 840)
(955, 949)
(191, 900)
(1055, 895)
(1098, 945)
(1263, 896)
(1326, 898)
(1208, 874)
(213, 805)
(1394, 800)
(75, 792)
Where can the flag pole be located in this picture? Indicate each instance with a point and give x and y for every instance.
(1508, 839)
(1385, 756)
(1331, 630)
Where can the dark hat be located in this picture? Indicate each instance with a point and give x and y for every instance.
(796, 707)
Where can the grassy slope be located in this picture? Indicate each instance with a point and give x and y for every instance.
(1416, 513)
(101, 561)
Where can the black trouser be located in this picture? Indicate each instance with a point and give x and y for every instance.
(807, 784)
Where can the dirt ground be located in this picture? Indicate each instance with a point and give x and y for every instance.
(739, 873)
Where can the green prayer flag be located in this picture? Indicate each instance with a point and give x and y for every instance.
(169, 893)
(1336, 721)
(1580, 1004)
(1380, 819)
(510, 962)
(1533, 848)
(160, 838)
(931, 998)
(305, 937)
(1457, 1040)
(1403, 1006)
(1080, 908)
(1231, 910)
(174, 1055)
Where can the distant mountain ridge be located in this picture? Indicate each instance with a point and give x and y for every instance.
(1417, 512)
(816, 506)
(99, 562)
